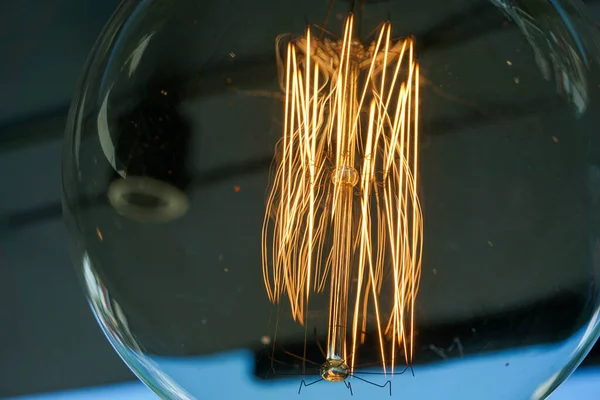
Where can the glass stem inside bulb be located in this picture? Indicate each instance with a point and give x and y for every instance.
(340, 272)
(344, 179)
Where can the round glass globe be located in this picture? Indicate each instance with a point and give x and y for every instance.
(177, 143)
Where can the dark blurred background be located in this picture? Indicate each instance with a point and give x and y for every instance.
(49, 338)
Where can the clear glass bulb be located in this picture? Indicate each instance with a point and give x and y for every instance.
(413, 209)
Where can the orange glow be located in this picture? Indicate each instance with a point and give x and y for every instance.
(343, 213)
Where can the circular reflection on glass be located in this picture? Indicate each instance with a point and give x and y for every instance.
(336, 198)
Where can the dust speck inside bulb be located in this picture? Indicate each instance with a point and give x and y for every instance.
(347, 198)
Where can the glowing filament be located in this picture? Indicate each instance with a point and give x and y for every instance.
(343, 213)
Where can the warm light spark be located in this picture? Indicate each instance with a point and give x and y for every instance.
(343, 212)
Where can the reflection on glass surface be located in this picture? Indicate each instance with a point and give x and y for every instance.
(583, 385)
(172, 151)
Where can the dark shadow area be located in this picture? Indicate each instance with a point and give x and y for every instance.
(554, 321)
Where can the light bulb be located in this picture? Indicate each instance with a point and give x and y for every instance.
(365, 198)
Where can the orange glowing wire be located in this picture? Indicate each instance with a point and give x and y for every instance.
(367, 239)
